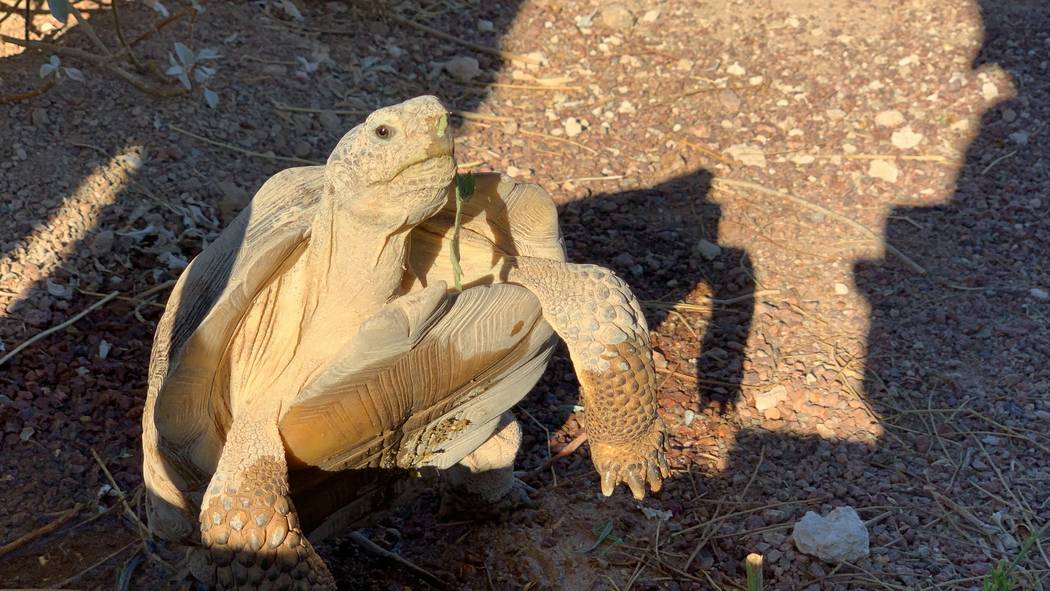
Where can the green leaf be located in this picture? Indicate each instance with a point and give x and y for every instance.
(59, 9)
(464, 191)
(606, 530)
(464, 187)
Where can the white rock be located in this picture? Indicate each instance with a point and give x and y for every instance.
(770, 398)
(462, 68)
(748, 154)
(880, 169)
(651, 16)
(616, 16)
(572, 127)
(841, 289)
(626, 108)
(1039, 294)
(905, 138)
(1019, 137)
(841, 536)
(989, 91)
(736, 70)
(485, 26)
(891, 118)
(708, 250)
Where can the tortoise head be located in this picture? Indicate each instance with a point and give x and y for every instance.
(398, 162)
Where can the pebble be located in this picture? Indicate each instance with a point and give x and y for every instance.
(572, 127)
(1039, 294)
(736, 70)
(730, 101)
(485, 26)
(1019, 137)
(626, 108)
(462, 68)
(770, 398)
(330, 121)
(840, 536)
(905, 138)
(989, 91)
(841, 289)
(651, 16)
(616, 16)
(39, 117)
(708, 250)
(881, 169)
(891, 118)
(302, 149)
(748, 154)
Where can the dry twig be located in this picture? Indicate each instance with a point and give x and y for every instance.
(40, 532)
(10, 355)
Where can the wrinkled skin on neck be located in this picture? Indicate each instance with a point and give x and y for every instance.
(390, 184)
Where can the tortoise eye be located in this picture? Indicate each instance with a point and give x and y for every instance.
(384, 132)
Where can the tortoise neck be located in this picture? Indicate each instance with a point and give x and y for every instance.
(359, 255)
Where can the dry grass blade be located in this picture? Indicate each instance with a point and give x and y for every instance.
(243, 150)
(749, 186)
(377, 550)
(517, 57)
(10, 355)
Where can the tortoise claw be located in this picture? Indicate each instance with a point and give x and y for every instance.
(635, 463)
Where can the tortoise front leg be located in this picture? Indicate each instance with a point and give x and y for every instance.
(602, 323)
(249, 527)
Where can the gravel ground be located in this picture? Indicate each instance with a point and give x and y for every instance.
(835, 213)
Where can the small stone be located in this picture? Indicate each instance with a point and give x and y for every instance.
(513, 171)
(616, 16)
(891, 118)
(835, 114)
(880, 169)
(748, 154)
(275, 70)
(572, 127)
(486, 26)
(462, 68)
(840, 536)
(330, 121)
(233, 200)
(730, 101)
(905, 138)
(772, 414)
(40, 118)
(651, 16)
(1019, 137)
(302, 149)
(1039, 294)
(825, 431)
(736, 70)
(770, 398)
(102, 243)
(1009, 115)
(626, 108)
(708, 250)
(841, 289)
(989, 91)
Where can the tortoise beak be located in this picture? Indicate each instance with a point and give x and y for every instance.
(441, 144)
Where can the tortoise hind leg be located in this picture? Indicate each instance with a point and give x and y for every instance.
(249, 528)
(483, 482)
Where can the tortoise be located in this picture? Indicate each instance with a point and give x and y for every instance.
(312, 362)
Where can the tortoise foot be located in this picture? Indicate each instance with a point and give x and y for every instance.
(635, 462)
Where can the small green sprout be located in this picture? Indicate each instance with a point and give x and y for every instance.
(464, 191)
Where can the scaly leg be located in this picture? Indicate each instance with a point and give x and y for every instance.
(249, 528)
(602, 323)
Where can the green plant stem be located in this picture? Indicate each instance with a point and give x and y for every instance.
(753, 568)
